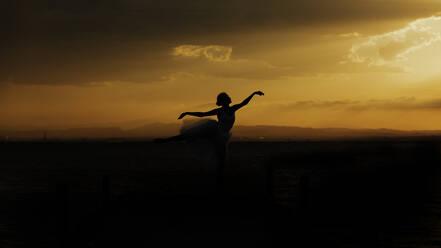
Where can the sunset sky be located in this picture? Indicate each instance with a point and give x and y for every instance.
(321, 63)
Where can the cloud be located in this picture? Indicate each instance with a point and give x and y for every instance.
(224, 66)
(83, 41)
(152, 18)
(351, 35)
(214, 53)
(402, 103)
(310, 104)
(393, 48)
(245, 69)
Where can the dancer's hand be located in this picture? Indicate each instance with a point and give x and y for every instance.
(260, 93)
(182, 116)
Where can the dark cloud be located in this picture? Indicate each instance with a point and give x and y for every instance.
(305, 105)
(403, 103)
(54, 42)
(84, 18)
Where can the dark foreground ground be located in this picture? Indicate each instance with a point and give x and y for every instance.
(290, 194)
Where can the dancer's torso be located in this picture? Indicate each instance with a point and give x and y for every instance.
(225, 120)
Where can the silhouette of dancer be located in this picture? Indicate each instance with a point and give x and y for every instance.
(217, 132)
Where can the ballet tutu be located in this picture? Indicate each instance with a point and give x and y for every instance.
(207, 129)
(203, 137)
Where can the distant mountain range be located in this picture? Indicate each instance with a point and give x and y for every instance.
(261, 132)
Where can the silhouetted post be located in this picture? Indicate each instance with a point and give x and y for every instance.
(63, 214)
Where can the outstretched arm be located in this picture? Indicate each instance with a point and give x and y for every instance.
(199, 114)
(247, 100)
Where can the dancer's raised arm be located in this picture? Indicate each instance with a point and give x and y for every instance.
(247, 100)
(199, 114)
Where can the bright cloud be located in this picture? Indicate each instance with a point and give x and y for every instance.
(229, 67)
(212, 53)
(350, 35)
(402, 103)
(394, 48)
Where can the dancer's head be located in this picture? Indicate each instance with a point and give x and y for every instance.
(223, 99)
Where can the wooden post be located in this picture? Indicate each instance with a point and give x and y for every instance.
(63, 214)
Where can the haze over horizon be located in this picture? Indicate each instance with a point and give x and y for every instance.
(349, 64)
(110, 132)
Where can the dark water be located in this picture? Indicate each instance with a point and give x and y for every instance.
(338, 194)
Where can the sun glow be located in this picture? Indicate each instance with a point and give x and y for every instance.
(339, 63)
(414, 49)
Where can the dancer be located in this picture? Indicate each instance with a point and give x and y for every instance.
(217, 132)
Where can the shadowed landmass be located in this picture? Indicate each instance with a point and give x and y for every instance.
(241, 132)
(364, 193)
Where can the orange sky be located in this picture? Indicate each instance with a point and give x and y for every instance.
(357, 64)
